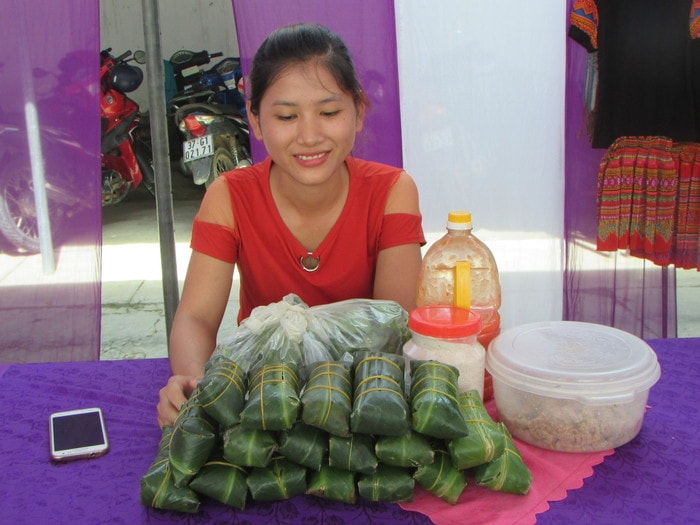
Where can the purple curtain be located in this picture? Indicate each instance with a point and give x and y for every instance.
(368, 29)
(610, 288)
(49, 176)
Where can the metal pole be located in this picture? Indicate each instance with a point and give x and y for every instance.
(36, 156)
(161, 160)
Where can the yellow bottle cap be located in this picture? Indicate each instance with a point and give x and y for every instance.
(459, 220)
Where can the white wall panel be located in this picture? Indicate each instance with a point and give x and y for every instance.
(482, 110)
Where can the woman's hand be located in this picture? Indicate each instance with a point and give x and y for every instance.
(172, 396)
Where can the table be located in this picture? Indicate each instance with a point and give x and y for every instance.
(653, 479)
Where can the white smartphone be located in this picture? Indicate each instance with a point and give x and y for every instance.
(77, 434)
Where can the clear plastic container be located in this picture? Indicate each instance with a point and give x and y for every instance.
(436, 281)
(571, 386)
(448, 334)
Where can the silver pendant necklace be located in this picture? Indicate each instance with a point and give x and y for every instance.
(309, 263)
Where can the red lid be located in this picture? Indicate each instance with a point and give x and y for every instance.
(444, 322)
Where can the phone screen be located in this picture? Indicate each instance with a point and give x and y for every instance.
(77, 434)
(79, 430)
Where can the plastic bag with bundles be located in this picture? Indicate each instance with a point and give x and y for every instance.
(158, 488)
(293, 332)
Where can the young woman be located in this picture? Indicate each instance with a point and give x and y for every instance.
(310, 219)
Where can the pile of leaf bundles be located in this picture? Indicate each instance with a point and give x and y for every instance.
(408, 451)
(158, 488)
(441, 478)
(506, 473)
(387, 483)
(281, 479)
(305, 445)
(435, 409)
(327, 398)
(354, 453)
(222, 481)
(291, 331)
(222, 390)
(192, 441)
(273, 398)
(485, 440)
(277, 450)
(336, 484)
(379, 403)
(248, 447)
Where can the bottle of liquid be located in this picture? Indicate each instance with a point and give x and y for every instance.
(436, 281)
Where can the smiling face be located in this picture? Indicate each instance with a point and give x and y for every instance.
(307, 123)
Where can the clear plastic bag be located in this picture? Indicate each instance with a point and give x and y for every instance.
(290, 331)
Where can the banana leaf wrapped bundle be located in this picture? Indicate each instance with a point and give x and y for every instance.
(222, 481)
(485, 440)
(336, 484)
(354, 453)
(409, 451)
(379, 405)
(248, 448)
(222, 390)
(193, 439)
(281, 479)
(506, 473)
(304, 444)
(435, 409)
(327, 397)
(273, 398)
(441, 478)
(158, 488)
(392, 484)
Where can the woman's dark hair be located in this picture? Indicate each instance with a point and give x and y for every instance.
(296, 44)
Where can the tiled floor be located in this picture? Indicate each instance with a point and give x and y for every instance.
(133, 317)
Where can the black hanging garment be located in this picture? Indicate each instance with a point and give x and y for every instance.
(648, 68)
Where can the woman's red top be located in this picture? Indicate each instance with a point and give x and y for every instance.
(267, 254)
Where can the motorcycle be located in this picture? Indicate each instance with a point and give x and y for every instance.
(64, 164)
(209, 112)
(126, 154)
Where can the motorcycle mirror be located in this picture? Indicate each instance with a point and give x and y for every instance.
(140, 56)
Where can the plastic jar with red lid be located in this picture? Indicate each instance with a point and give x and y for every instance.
(448, 334)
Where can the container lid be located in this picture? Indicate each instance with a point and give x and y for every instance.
(444, 321)
(574, 360)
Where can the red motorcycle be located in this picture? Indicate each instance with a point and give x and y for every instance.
(126, 153)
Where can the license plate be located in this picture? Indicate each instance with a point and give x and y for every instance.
(198, 148)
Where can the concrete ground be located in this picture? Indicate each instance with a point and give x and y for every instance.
(133, 314)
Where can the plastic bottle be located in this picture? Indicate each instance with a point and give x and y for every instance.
(436, 281)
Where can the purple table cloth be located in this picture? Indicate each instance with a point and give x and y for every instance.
(653, 479)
